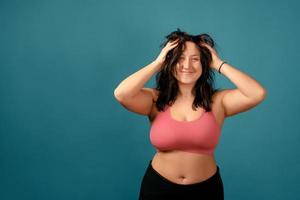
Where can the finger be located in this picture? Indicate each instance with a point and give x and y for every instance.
(204, 44)
(207, 46)
(172, 44)
(175, 41)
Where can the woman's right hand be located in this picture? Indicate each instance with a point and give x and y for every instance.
(170, 45)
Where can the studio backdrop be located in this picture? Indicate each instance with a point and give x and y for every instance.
(63, 135)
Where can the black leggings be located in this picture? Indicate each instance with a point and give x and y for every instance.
(156, 187)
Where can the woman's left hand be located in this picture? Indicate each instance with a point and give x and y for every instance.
(216, 61)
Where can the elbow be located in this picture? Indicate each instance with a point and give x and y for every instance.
(117, 95)
(262, 94)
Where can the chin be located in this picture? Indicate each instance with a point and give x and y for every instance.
(188, 79)
(187, 82)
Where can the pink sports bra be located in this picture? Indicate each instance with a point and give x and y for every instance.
(197, 136)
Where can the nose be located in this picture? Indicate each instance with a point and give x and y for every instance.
(186, 64)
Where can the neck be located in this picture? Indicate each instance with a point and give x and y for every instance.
(185, 92)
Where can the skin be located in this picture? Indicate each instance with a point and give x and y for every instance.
(188, 69)
(185, 167)
(178, 166)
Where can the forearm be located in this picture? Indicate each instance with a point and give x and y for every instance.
(246, 84)
(131, 86)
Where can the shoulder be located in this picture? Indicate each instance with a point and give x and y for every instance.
(217, 99)
(217, 107)
(154, 92)
(154, 110)
(218, 95)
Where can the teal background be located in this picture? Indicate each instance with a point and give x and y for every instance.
(63, 135)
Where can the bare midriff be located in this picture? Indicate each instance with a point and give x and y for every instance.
(183, 167)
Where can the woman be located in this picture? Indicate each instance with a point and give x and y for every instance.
(186, 115)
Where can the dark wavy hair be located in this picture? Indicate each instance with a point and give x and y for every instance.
(167, 84)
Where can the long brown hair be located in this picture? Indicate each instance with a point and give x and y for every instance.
(167, 84)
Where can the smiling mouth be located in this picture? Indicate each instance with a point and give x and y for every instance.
(186, 72)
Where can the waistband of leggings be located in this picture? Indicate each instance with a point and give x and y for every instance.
(211, 178)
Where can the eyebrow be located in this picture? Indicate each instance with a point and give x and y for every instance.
(192, 55)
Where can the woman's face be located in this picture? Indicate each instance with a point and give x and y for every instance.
(189, 67)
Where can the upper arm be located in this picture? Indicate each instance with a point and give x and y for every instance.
(140, 103)
(234, 102)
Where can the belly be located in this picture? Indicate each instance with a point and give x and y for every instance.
(184, 167)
